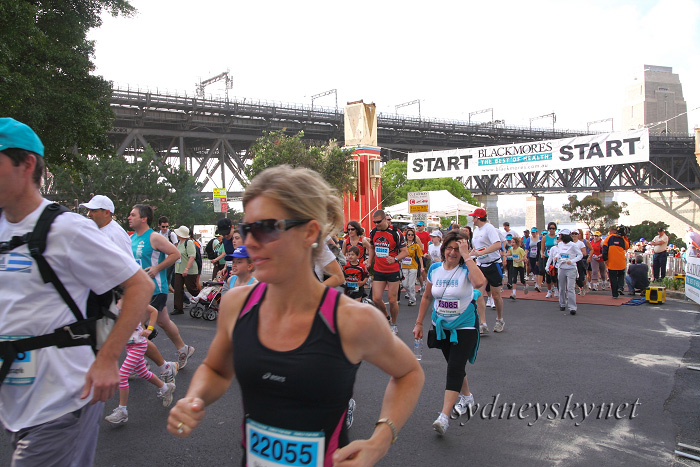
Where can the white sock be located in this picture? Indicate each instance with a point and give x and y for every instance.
(163, 388)
(163, 367)
(183, 349)
(122, 408)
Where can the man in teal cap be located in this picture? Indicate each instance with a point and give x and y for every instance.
(51, 398)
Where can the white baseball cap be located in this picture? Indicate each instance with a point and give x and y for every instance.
(100, 202)
(436, 233)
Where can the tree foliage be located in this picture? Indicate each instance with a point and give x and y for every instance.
(592, 212)
(396, 186)
(45, 80)
(276, 148)
(648, 230)
(172, 191)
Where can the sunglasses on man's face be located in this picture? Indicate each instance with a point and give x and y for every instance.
(268, 230)
(164, 226)
(379, 221)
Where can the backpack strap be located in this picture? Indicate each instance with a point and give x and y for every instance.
(253, 298)
(37, 246)
(329, 303)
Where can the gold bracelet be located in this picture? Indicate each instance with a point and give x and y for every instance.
(394, 434)
(150, 328)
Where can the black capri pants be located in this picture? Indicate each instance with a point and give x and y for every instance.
(457, 355)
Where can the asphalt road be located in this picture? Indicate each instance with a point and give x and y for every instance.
(634, 355)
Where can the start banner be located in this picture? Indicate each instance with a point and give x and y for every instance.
(692, 278)
(582, 151)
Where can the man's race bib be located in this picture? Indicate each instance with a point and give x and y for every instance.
(352, 285)
(407, 261)
(448, 307)
(381, 251)
(23, 369)
(267, 446)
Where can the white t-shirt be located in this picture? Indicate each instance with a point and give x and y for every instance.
(484, 237)
(118, 235)
(48, 382)
(512, 233)
(562, 252)
(323, 260)
(452, 291)
(434, 252)
(581, 246)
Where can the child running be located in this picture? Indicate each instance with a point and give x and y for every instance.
(135, 362)
(517, 252)
(355, 275)
(241, 270)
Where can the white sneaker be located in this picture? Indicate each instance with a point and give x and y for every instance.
(549, 294)
(184, 356)
(498, 327)
(118, 416)
(394, 329)
(441, 424)
(168, 375)
(463, 404)
(489, 302)
(483, 329)
(167, 394)
(556, 292)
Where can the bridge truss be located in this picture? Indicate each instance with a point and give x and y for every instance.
(211, 137)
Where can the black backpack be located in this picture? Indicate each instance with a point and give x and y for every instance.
(85, 330)
(209, 249)
(198, 255)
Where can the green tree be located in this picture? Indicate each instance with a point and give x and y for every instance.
(45, 80)
(592, 212)
(648, 230)
(171, 190)
(276, 148)
(396, 186)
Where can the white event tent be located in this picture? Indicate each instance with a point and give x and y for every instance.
(442, 203)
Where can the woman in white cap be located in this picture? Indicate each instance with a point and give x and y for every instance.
(564, 257)
(434, 247)
(186, 269)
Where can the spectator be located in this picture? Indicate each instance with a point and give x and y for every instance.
(637, 277)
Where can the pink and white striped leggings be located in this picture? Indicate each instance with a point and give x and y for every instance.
(134, 362)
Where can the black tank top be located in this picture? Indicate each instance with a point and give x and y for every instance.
(303, 390)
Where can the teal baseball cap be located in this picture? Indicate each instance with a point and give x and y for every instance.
(14, 134)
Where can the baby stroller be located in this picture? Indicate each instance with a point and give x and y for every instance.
(206, 304)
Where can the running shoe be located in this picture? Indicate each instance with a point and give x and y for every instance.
(463, 404)
(118, 416)
(573, 312)
(584, 289)
(348, 416)
(549, 294)
(168, 375)
(527, 289)
(489, 302)
(395, 329)
(498, 327)
(483, 329)
(512, 296)
(556, 292)
(184, 356)
(167, 394)
(411, 303)
(441, 424)
(537, 288)
(562, 308)
(406, 296)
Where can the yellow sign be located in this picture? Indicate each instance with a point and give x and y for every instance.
(219, 193)
(418, 208)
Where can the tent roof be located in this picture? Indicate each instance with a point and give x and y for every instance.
(442, 203)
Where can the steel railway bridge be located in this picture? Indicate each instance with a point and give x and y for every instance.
(211, 136)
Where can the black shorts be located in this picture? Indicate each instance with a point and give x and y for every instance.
(159, 300)
(387, 276)
(493, 274)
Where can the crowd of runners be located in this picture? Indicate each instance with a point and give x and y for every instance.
(297, 314)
